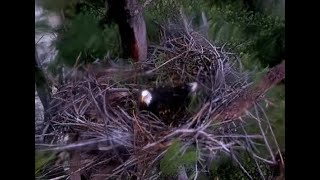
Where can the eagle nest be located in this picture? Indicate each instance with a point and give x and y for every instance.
(96, 116)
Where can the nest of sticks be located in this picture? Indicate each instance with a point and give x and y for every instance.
(96, 117)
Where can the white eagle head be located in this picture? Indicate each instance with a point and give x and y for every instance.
(146, 97)
(193, 86)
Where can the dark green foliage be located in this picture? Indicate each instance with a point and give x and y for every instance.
(270, 45)
(160, 12)
(256, 34)
(42, 160)
(153, 28)
(156, 14)
(274, 108)
(80, 35)
(225, 168)
(163, 10)
(84, 37)
(97, 8)
(259, 37)
(56, 5)
(174, 159)
(71, 8)
(276, 114)
(251, 28)
(61, 7)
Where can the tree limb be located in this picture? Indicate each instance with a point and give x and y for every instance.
(75, 166)
(253, 94)
(128, 16)
(44, 92)
(42, 86)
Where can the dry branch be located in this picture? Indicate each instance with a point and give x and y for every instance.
(253, 95)
(75, 166)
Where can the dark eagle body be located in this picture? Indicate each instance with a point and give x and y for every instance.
(168, 103)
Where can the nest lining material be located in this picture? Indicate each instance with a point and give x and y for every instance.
(100, 112)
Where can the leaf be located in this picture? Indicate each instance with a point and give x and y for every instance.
(42, 159)
(173, 159)
(84, 35)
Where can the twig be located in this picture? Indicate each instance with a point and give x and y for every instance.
(176, 57)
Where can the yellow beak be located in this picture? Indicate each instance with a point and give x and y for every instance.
(142, 98)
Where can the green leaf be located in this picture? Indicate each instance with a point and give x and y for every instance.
(173, 159)
(42, 159)
(84, 35)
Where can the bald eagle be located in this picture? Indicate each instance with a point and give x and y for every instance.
(168, 103)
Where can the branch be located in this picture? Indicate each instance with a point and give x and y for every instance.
(75, 166)
(44, 92)
(42, 86)
(132, 27)
(253, 94)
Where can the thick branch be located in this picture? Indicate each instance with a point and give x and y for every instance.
(128, 15)
(42, 86)
(253, 94)
(43, 90)
(75, 166)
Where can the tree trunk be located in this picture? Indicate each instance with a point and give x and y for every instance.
(43, 90)
(42, 86)
(127, 14)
